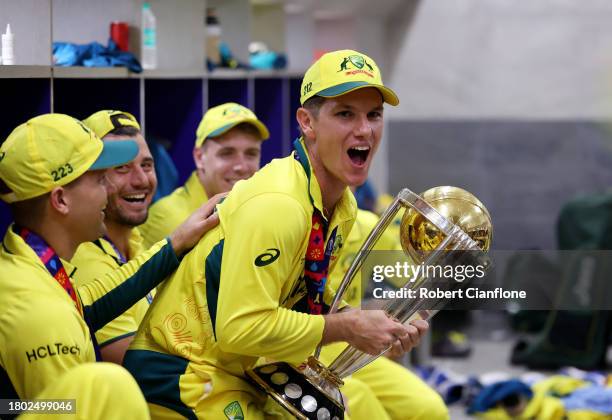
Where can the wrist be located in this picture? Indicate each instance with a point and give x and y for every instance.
(176, 244)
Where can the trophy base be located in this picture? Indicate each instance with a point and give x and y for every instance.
(300, 392)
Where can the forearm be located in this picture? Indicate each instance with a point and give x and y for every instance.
(338, 327)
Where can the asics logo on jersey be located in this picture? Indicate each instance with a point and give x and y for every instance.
(267, 257)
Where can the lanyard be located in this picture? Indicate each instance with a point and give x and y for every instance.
(54, 265)
(316, 265)
(52, 262)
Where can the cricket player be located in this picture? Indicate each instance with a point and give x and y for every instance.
(130, 188)
(255, 286)
(227, 149)
(52, 175)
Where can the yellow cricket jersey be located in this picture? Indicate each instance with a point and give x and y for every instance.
(93, 260)
(42, 334)
(364, 223)
(168, 213)
(231, 299)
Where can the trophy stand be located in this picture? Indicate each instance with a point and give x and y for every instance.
(440, 220)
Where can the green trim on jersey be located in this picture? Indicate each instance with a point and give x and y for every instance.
(212, 270)
(158, 375)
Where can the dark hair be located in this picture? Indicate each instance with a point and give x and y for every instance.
(32, 210)
(120, 129)
(127, 130)
(314, 104)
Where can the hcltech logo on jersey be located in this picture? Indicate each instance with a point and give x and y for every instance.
(50, 350)
(267, 257)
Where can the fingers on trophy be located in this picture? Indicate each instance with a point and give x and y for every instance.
(444, 226)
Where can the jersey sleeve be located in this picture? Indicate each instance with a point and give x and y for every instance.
(262, 242)
(110, 295)
(41, 339)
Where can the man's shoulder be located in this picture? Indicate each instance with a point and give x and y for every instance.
(15, 268)
(279, 178)
(91, 260)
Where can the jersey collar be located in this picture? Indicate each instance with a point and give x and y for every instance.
(15, 245)
(346, 207)
(195, 191)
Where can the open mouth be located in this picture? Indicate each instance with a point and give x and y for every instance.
(135, 198)
(359, 154)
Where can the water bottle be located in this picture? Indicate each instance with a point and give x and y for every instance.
(149, 38)
(7, 46)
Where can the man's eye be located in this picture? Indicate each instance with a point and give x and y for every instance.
(344, 114)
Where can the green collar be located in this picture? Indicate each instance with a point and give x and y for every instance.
(345, 208)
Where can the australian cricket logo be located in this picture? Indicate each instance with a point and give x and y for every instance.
(355, 64)
(233, 411)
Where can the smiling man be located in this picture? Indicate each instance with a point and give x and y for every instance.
(227, 150)
(255, 286)
(53, 177)
(130, 188)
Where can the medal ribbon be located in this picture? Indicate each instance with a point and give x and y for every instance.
(316, 266)
(52, 262)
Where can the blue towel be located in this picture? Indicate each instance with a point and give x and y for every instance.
(94, 55)
(594, 398)
(491, 395)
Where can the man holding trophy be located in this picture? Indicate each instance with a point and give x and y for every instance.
(255, 286)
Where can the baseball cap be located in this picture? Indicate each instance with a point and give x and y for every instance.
(222, 118)
(105, 121)
(52, 150)
(343, 71)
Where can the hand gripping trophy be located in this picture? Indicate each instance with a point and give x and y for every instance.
(434, 225)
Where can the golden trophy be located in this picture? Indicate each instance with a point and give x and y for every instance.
(435, 223)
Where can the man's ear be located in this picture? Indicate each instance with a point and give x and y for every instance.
(305, 120)
(59, 200)
(198, 152)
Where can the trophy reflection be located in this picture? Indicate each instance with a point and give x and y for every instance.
(444, 225)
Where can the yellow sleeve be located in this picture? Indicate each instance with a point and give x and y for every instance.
(92, 262)
(56, 340)
(108, 296)
(249, 320)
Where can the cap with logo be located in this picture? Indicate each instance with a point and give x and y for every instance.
(343, 71)
(52, 150)
(105, 121)
(220, 119)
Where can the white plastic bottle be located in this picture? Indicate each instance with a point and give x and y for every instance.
(149, 38)
(8, 56)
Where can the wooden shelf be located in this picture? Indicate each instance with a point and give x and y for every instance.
(89, 72)
(25, 72)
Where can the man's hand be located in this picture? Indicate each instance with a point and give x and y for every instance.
(201, 221)
(416, 330)
(370, 331)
